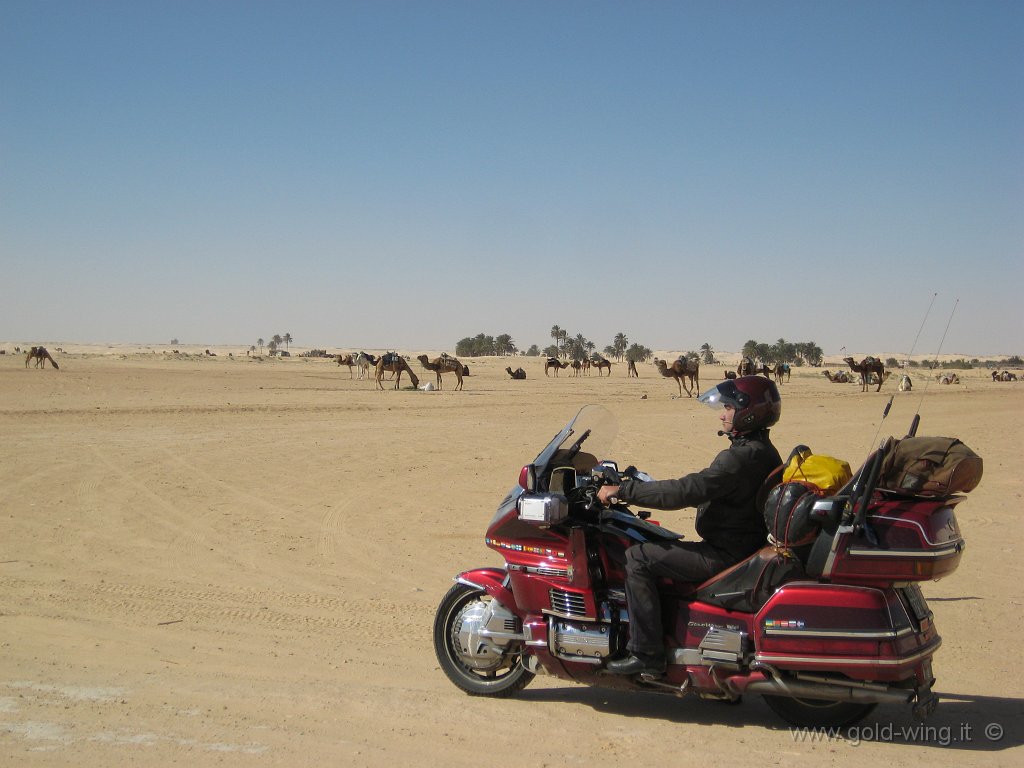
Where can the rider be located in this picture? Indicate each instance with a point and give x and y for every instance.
(728, 520)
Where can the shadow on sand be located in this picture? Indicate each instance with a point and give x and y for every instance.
(962, 721)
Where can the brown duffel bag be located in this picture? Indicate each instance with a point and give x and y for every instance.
(930, 466)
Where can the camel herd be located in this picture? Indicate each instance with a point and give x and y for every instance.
(685, 371)
(395, 364)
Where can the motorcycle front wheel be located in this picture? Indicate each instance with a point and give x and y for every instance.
(474, 663)
(817, 713)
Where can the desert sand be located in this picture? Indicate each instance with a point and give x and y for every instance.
(231, 561)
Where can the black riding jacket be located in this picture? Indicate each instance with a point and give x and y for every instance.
(725, 494)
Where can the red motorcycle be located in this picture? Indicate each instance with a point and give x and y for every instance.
(825, 632)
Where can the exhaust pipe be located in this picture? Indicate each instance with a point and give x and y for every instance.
(798, 689)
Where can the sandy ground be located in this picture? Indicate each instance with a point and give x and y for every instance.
(225, 561)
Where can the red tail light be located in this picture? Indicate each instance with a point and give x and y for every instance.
(528, 478)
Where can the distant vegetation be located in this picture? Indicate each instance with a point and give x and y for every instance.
(275, 341)
(483, 345)
(793, 352)
(575, 348)
(1014, 361)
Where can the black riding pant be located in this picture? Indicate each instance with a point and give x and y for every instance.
(685, 561)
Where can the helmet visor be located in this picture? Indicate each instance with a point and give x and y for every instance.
(725, 393)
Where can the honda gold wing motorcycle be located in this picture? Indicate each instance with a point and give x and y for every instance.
(825, 631)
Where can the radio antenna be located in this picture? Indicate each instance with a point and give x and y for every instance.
(888, 405)
(917, 415)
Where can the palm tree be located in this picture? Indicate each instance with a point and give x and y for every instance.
(287, 339)
(556, 334)
(503, 345)
(707, 353)
(278, 341)
(619, 344)
(252, 348)
(260, 342)
(579, 346)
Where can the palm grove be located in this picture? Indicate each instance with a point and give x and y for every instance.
(579, 347)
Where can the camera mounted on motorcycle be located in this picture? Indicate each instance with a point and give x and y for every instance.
(543, 508)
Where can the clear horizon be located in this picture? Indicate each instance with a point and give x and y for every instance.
(404, 175)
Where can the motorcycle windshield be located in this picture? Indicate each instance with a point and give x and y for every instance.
(584, 441)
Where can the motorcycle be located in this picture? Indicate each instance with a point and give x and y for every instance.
(824, 632)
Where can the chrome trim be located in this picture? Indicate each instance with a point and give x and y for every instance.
(850, 661)
(946, 552)
(687, 657)
(558, 573)
(573, 616)
(569, 605)
(830, 561)
(850, 633)
(501, 635)
(924, 534)
(468, 583)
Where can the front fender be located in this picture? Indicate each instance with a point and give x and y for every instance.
(491, 581)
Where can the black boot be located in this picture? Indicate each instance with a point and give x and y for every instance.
(638, 663)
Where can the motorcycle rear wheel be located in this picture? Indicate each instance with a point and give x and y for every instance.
(505, 679)
(818, 713)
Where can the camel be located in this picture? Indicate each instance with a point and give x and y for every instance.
(631, 371)
(865, 368)
(905, 385)
(348, 360)
(873, 377)
(730, 374)
(681, 370)
(519, 374)
(40, 355)
(365, 362)
(443, 364)
(1004, 376)
(395, 363)
(782, 370)
(601, 364)
(586, 366)
(747, 368)
(947, 378)
(552, 362)
(839, 377)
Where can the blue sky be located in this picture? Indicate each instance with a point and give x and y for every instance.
(406, 174)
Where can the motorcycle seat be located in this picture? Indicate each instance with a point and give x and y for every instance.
(747, 585)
